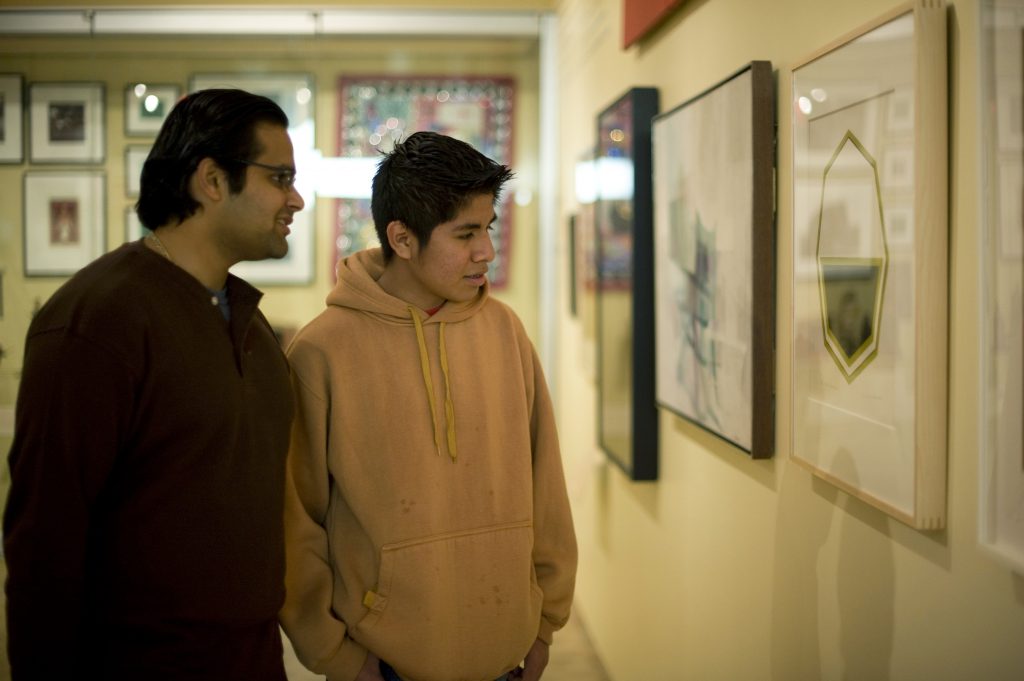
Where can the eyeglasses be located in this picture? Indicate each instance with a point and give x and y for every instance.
(283, 177)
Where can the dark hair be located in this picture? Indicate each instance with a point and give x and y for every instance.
(217, 124)
(426, 180)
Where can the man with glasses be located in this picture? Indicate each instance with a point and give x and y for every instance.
(143, 531)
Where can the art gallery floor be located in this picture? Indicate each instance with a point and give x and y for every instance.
(572, 657)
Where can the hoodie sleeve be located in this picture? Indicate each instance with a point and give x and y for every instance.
(320, 639)
(554, 551)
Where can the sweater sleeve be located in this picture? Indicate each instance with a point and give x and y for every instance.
(318, 636)
(554, 551)
(74, 409)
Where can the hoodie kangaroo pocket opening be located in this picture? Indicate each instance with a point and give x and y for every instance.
(465, 601)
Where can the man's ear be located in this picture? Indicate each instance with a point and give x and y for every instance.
(401, 239)
(210, 181)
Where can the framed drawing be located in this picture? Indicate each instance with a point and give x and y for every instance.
(133, 229)
(65, 221)
(869, 311)
(714, 249)
(12, 141)
(627, 420)
(295, 268)
(146, 107)
(1001, 465)
(134, 156)
(375, 111)
(66, 121)
(293, 92)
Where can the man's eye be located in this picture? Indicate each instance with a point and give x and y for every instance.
(284, 180)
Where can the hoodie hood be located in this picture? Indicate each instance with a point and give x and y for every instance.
(357, 289)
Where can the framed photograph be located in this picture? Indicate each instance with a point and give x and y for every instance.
(67, 124)
(12, 140)
(869, 310)
(146, 107)
(297, 267)
(1001, 464)
(714, 248)
(375, 111)
(134, 157)
(293, 92)
(65, 221)
(133, 229)
(627, 419)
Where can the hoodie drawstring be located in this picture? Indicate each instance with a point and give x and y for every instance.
(449, 407)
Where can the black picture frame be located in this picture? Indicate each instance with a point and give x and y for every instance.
(627, 420)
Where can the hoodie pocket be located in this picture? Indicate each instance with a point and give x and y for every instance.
(461, 605)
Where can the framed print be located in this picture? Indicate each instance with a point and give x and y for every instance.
(627, 420)
(376, 111)
(67, 124)
(146, 107)
(134, 157)
(12, 141)
(295, 268)
(133, 229)
(714, 247)
(869, 304)
(293, 92)
(1001, 464)
(65, 221)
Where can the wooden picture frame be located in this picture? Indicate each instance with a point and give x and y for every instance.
(12, 116)
(627, 416)
(714, 248)
(869, 313)
(67, 123)
(374, 111)
(135, 156)
(65, 221)
(641, 17)
(1001, 454)
(146, 106)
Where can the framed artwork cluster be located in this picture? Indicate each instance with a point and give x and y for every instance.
(1001, 312)
(376, 111)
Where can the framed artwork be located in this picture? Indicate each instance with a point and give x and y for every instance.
(12, 140)
(146, 107)
(133, 229)
(1001, 310)
(640, 17)
(293, 92)
(869, 310)
(67, 123)
(627, 417)
(65, 221)
(295, 268)
(376, 111)
(134, 157)
(714, 248)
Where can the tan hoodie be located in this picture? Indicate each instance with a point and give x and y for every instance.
(426, 513)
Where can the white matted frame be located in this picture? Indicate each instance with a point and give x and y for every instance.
(134, 157)
(869, 312)
(12, 138)
(146, 107)
(714, 246)
(133, 229)
(65, 222)
(67, 123)
(1001, 464)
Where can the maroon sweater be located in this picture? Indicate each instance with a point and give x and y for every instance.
(143, 530)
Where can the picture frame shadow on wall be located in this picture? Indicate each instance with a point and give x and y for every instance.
(627, 419)
(869, 350)
(12, 138)
(67, 123)
(714, 254)
(146, 106)
(1001, 311)
(65, 221)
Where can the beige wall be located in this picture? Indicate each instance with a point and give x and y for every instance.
(727, 568)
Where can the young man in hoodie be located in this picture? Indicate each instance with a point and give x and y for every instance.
(427, 526)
